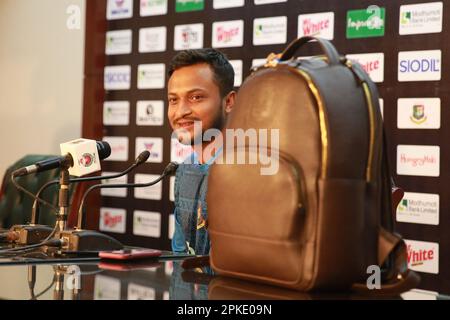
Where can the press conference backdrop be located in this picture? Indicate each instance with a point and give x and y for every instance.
(401, 44)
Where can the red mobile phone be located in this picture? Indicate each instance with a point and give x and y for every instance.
(130, 254)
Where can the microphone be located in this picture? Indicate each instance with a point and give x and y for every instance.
(86, 240)
(34, 233)
(81, 158)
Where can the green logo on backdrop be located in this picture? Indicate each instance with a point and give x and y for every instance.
(366, 23)
(189, 5)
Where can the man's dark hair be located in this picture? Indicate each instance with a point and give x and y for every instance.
(221, 67)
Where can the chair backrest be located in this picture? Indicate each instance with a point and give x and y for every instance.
(15, 206)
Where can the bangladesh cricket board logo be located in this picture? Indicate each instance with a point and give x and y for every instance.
(86, 160)
(418, 115)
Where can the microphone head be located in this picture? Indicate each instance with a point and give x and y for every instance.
(104, 149)
(170, 169)
(142, 157)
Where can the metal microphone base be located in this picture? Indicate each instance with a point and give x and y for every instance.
(87, 240)
(30, 233)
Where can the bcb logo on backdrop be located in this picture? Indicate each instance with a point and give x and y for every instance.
(419, 113)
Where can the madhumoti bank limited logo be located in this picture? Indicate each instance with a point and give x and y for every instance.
(421, 18)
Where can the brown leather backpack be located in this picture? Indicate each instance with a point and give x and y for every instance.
(325, 216)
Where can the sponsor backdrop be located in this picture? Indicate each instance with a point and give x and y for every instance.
(401, 44)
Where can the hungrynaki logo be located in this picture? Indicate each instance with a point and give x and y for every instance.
(116, 113)
(152, 39)
(423, 256)
(418, 160)
(372, 63)
(119, 148)
(147, 224)
(422, 208)
(150, 193)
(271, 30)
(188, 36)
(419, 65)
(237, 67)
(153, 145)
(178, 151)
(419, 113)
(150, 113)
(112, 220)
(153, 7)
(119, 9)
(365, 23)
(317, 25)
(421, 18)
(151, 76)
(118, 42)
(117, 77)
(228, 34)
(114, 192)
(222, 4)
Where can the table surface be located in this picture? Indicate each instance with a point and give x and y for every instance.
(150, 279)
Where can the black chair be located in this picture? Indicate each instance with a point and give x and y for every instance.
(15, 206)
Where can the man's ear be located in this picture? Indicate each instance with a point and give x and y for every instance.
(229, 101)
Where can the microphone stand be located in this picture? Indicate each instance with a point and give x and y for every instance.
(63, 200)
(34, 233)
(79, 240)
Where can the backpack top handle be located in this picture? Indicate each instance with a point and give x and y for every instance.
(329, 50)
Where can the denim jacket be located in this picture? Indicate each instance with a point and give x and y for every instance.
(191, 183)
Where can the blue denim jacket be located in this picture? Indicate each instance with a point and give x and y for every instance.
(191, 183)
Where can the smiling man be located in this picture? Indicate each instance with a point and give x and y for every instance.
(200, 92)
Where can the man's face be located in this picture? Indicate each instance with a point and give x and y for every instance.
(193, 95)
